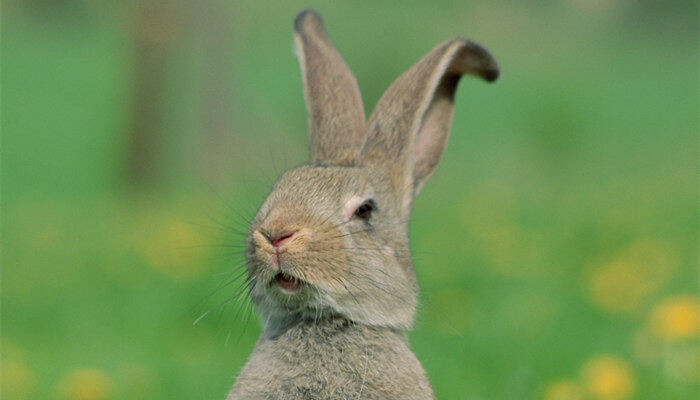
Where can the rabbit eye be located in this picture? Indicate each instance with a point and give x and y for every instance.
(364, 211)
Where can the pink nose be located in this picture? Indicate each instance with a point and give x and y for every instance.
(278, 239)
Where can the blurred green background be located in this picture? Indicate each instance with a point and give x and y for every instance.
(556, 246)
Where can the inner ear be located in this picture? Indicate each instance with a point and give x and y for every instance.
(434, 131)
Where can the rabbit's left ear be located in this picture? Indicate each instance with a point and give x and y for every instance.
(408, 130)
(336, 115)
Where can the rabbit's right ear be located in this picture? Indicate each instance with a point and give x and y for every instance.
(336, 116)
(408, 130)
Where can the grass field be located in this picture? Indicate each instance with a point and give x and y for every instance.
(556, 246)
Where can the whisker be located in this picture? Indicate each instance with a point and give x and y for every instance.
(375, 284)
(352, 233)
(346, 288)
(237, 293)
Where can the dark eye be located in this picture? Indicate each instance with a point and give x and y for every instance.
(364, 211)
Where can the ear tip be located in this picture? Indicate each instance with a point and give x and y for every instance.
(491, 75)
(307, 18)
(484, 64)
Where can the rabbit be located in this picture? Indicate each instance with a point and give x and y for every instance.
(328, 259)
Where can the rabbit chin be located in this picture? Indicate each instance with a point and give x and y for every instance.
(279, 307)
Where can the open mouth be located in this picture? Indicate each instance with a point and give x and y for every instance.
(287, 283)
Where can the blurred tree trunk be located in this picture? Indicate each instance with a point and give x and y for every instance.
(215, 128)
(157, 27)
(153, 34)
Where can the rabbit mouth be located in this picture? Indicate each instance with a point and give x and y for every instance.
(287, 283)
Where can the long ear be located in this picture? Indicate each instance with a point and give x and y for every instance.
(333, 101)
(408, 130)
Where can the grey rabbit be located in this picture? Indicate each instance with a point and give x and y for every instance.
(328, 256)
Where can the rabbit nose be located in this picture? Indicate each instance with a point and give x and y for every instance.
(278, 239)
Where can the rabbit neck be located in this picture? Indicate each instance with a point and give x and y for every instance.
(321, 324)
(331, 357)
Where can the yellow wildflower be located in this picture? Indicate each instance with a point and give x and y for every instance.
(622, 284)
(563, 390)
(85, 384)
(676, 318)
(608, 377)
(17, 379)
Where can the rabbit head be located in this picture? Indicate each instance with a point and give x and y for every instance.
(332, 236)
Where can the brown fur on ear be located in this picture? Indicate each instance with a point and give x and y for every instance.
(408, 130)
(336, 115)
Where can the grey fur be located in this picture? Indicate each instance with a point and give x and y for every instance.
(341, 334)
(332, 359)
(336, 114)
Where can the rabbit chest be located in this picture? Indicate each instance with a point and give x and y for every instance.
(332, 359)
